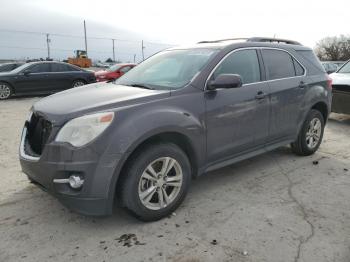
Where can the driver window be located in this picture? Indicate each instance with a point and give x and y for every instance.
(244, 63)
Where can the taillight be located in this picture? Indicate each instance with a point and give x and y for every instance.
(329, 82)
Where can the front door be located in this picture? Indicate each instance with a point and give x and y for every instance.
(36, 80)
(237, 119)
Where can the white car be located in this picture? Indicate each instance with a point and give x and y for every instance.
(341, 89)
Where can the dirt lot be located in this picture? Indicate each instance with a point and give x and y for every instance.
(275, 207)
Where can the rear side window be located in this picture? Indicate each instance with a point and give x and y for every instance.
(311, 58)
(58, 68)
(244, 63)
(279, 64)
(299, 70)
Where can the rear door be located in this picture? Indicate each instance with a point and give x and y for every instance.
(36, 80)
(237, 119)
(61, 76)
(287, 83)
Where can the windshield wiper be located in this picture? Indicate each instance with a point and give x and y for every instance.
(142, 86)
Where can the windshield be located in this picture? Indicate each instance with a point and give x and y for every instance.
(113, 68)
(345, 69)
(169, 69)
(20, 68)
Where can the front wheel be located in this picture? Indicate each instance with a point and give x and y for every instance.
(156, 181)
(78, 83)
(311, 134)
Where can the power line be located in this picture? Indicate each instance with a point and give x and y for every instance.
(59, 49)
(81, 37)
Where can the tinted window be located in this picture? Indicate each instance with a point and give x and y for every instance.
(311, 58)
(244, 63)
(279, 64)
(299, 70)
(6, 68)
(71, 68)
(125, 69)
(58, 68)
(40, 68)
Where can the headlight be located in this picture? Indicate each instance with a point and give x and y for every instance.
(82, 130)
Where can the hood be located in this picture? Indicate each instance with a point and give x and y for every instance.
(340, 78)
(93, 98)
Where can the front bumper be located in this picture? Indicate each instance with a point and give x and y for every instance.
(59, 161)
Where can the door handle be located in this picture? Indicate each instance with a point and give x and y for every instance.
(260, 95)
(302, 84)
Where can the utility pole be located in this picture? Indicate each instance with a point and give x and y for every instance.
(85, 38)
(143, 47)
(134, 58)
(113, 50)
(48, 40)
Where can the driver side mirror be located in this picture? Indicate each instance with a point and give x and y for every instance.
(26, 72)
(225, 81)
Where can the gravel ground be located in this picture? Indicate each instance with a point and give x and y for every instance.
(274, 207)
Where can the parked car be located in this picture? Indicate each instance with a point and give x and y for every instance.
(42, 78)
(329, 67)
(113, 72)
(7, 67)
(177, 115)
(341, 90)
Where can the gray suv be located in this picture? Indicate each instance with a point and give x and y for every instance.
(183, 112)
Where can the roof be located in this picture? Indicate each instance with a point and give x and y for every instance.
(253, 41)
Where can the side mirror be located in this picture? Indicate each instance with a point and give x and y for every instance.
(331, 71)
(26, 72)
(225, 81)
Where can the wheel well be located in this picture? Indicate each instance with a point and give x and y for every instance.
(322, 107)
(169, 137)
(7, 83)
(79, 79)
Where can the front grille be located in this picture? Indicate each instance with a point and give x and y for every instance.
(39, 130)
(343, 88)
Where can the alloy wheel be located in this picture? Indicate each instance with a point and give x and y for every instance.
(160, 183)
(78, 83)
(313, 133)
(5, 91)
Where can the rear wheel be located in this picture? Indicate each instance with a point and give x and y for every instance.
(5, 91)
(311, 134)
(156, 181)
(77, 83)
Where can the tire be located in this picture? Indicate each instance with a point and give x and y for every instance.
(6, 91)
(77, 83)
(137, 185)
(306, 144)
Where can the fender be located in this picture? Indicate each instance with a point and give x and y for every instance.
(317, 93)
(155, 121)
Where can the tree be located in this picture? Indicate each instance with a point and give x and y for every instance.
(336, 48)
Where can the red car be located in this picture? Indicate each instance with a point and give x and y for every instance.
(113, 72)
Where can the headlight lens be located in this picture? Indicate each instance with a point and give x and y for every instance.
(82, 130)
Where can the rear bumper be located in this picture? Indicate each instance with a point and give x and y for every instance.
(59, 161)
(341, 102)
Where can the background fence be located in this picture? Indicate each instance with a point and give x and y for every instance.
(24, 45)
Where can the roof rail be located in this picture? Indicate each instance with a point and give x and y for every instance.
(273, 40)
(221, 40)
(254, 39)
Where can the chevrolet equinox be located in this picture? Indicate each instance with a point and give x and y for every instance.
(179, 114)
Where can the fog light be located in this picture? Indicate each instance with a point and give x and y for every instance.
(75, 181)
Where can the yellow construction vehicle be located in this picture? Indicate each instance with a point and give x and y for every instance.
(80, 59)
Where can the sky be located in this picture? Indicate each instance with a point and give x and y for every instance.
(165, 22)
